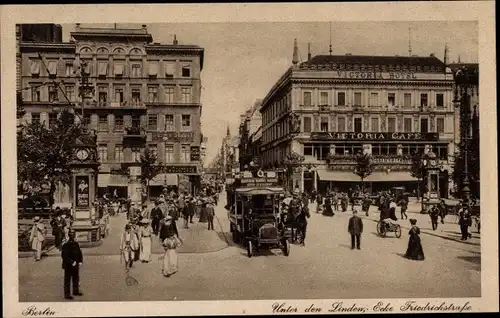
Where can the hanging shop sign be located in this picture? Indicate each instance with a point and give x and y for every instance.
(82, 191)
(181, 169)
(374, 136)
(195, 153)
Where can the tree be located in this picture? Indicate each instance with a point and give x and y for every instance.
(364, 167)
(417, 169)
(149, 168)
(44, 154)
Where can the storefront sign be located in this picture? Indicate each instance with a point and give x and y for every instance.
(377, 136)
(377, 75)
(82, 191)
(259, 182)
(195, 153)
(175, 136)
(180, 169)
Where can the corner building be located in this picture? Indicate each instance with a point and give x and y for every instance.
(388, 106)
(146, 94)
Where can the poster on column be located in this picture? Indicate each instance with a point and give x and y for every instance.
(82, 191)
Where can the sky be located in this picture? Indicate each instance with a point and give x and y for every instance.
(244, 60)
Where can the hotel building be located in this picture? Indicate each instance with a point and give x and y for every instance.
(146, 94)
(388, 106)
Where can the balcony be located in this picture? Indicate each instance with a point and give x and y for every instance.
(134, 135)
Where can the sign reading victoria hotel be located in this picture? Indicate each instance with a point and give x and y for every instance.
(377, 75)
(375, 136)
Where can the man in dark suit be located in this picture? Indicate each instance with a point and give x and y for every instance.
(72, 259)
(156, 216)
(355, 228)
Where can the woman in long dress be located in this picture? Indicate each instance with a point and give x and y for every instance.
(415, 250)
(145, 233)
(170, 244)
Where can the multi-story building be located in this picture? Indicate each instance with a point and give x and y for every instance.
(146, 94)
(250, 124)
(388, 106)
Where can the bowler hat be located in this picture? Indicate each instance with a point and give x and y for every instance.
(413, 221)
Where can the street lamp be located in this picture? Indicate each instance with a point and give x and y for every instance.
(86, 89)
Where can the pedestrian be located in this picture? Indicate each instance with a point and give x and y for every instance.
(365, 206)
(37, 236)
(72, 259)
(145, 233)
(392, 209)
(434, 214)
(185, 211)
(128, 245)
(465, 221)
(414, 250)
(404, 208)
(170, 244)
(146, 212)
(210, 215)
(156, 216)
(327, 211)
(57, 228)
(442, 210)
(355, 228)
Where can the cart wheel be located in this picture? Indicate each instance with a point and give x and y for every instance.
(398, 231)
(286, 247)
(379, 228)
(249, 249)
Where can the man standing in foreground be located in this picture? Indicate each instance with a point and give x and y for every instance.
(72, 259)
(355, 228)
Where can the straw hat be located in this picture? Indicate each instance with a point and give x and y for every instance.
(37, 218)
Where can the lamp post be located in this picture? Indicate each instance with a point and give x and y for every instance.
(464, 82)
(86, 89)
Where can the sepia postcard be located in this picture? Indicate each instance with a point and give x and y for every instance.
(249, 159)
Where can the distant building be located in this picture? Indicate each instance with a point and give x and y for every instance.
(250, 124)
(146, 94)
(387, 106)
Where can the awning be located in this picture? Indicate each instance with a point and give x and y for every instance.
(153, 69)
(103, 68)
(390, 177)
(118, 180)
(345, 176)
(52, 67)
(164, 179)
(118, 69)
(103, 180)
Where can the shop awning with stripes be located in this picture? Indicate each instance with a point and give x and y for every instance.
(396, 176)
(164, 179)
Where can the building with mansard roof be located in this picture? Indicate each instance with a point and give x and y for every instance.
(388, 106)
(145, 94)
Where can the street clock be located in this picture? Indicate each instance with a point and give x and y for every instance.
(82, 154)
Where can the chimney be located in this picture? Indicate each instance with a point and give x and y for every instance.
(78, 25)
(308, 51)
(144, 26)
(175, 40)
(432, 55)
(295, 58)
(446, 54)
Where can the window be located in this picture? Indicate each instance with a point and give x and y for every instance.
(373, 99)
(118, 69)
(136, 154)
(324, 124)
(308, 149)
(407, 124)
(118, 153)
(136, 70)
(119, 123)
(391, 99)
(439, 100)
(87, 120)
(52, 119)
(423, 100)
(35, 94)
(153, 94)
(440, 125)
(35, 68)
(307, 124)
(323, 98)
(186, 94)
(153, 122)
(136, 95)
(169, 153)
(103, 152)
(35, 118)
(358, 124)
(391, 124)
(186, 121)
(375, 125)
(169, 69)
(52, 94)
(136, 121)
(52, 69)
(69, 90)
(119, 95)
(169, 123)
(169, 94)
(102, 69)
(424, 125)
(103, 94)
(185, 153)
(341, 124)
(186, 71)
(341, 99)
(69, 69)
(357, 99)
(153, 69)
(86, 66)
(307, 99)
(407, 100)
(103, 122)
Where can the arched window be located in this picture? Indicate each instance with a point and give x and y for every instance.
(135, 51)
(102, 50)
(118, 50)
(86, 50)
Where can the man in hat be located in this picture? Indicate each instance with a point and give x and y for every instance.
(465, 221)
(72, 259)
(128, 246)
(156, 216)
(355, 228)
(210, 214)
(57, 227)
(38, 232)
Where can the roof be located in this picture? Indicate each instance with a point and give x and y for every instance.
(468, 66)
(372, 60)
(182, 48)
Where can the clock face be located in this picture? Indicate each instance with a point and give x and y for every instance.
(433, 162)
(82, 154)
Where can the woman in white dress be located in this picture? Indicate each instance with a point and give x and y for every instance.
(170, 244)
(145, 233)
(128, 245)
